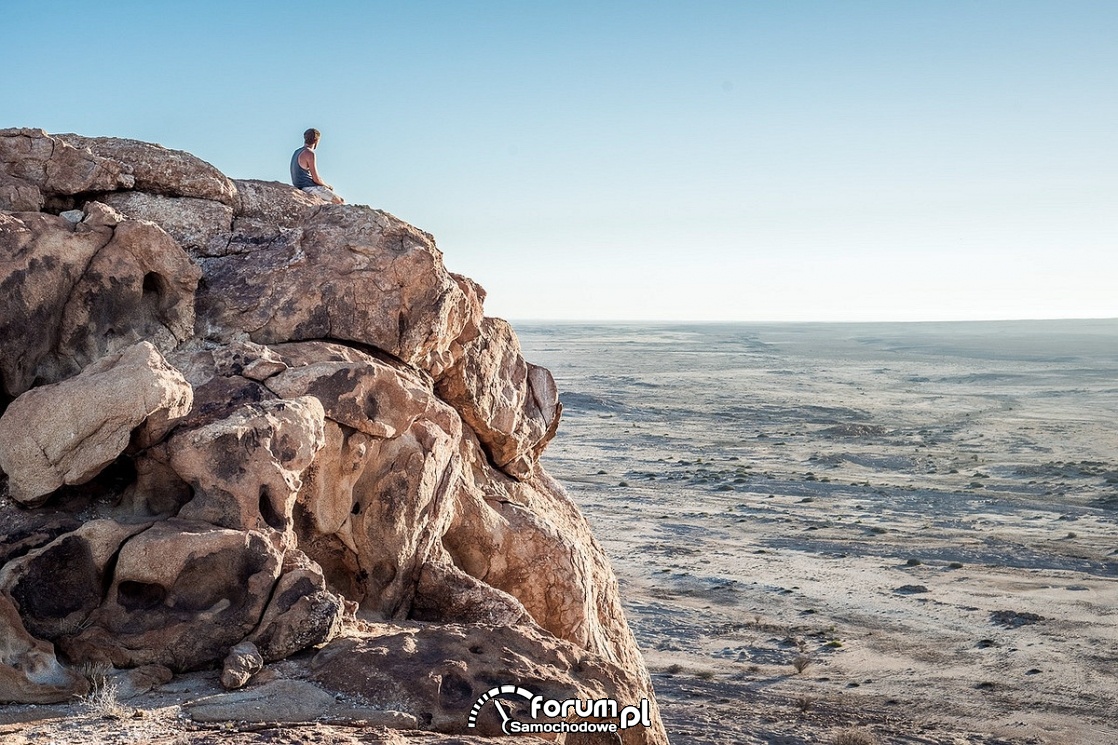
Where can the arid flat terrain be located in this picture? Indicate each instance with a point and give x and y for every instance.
(921, 517)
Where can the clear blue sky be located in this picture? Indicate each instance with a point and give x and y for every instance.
(776, 160)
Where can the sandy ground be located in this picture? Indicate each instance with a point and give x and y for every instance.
(924, 518)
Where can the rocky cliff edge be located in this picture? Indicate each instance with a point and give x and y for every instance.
(241, 425)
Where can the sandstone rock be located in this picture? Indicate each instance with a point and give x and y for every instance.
(217, 394)
(302, 613)
(529, 540)
(29, 671)
(360, 438)
(139, 680)
(201, 226)
(182, 594)
(242, 662)
(56, 166)
(380, 506)
(70, 294)
(272, 205)
(437, 673)
(25, 530)
(157, 169)
(357, 390)
(279, 701)
(56, 587)
(354, 274)
(446, 594)
(253, 361)
(42, 257)
(139, 286)
(54, 435)
(17, 195)
(245, 470)
(512, 407)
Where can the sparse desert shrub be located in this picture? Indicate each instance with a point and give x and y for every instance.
(854, 736)
(804, 703)
(674, 669)
(102, 701)
(800, 663)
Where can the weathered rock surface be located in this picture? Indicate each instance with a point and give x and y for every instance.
(52, 435)
(438, 672)
(511, 405)
(243, 661)
(58, 586)
(53, 165)
(348, 273)
(201, 226)
(17, 195)
(137, 681)
(72, 293)
(29, 671)
(234, 418)
(279, 701)
(157, 169)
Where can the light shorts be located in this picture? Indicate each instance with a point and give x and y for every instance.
(321, 192)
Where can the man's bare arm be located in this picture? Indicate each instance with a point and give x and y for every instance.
(311, 165)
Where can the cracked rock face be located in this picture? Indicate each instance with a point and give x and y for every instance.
(237, 422)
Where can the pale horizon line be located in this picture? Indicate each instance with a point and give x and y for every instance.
(678, 321)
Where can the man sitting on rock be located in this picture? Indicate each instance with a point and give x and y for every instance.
(304, 173)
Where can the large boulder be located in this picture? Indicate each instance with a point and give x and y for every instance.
(377, 499)
(68, 432)
(238, 423)
(157, 169)
(347, 273)
(202, 227)
(73, 292)
(54, 165)
(439, 673)
(182, 594)
(56, 587)
(245, 469)
(512, 406)
(42, 258)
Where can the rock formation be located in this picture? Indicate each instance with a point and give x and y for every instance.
(239, 423)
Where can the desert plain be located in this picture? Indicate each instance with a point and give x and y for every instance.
(893, 533)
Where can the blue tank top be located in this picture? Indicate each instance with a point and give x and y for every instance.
(300, 176)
